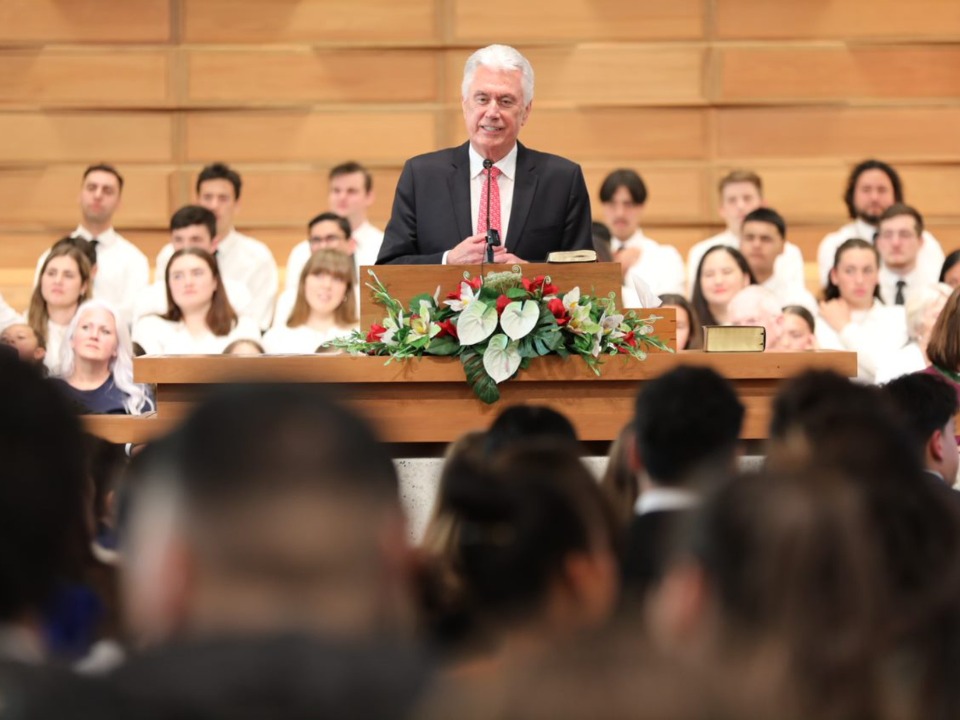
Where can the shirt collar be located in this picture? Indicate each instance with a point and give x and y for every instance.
(226, 245)
(865, 231)
(665, 498)
(507, 164)
(106, 238)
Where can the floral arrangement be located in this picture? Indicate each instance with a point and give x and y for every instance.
(498, 324)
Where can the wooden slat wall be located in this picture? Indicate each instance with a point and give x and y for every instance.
(285, 89)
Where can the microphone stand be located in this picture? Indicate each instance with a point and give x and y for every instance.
(493, 235)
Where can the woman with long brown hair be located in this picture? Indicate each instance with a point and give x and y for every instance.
(199, 318)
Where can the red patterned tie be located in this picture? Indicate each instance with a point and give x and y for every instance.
(482, 224)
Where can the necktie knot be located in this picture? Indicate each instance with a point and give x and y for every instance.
(493, 172)
(899, 299)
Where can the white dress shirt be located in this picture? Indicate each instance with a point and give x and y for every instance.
(122, 270)
(788, 294)
(661, 499)
(917, 279)
(906, 360)
(659, 266)
(787, 268)
(873, 334)
(8, 316)
(244, 261)
(162, 337)
(300, 340)
(368, 238)
(930, 257)
(56, 334)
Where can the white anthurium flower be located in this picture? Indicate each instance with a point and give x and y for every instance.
(467, 296)
(476, 323)
(520, 318)
(420, 326)
(501, 359)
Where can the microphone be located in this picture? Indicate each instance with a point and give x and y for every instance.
(493, 235)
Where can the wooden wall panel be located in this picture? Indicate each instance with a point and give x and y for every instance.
(676, 194)
(309, 21)
(330, 137)
(478, 21)
(42, 21)
(816, 19)
(86, 137)
(768, 74)
(614, 75)
(277, 76)
(48, 197)
(934, 190)
(78, 78)
(909, 133)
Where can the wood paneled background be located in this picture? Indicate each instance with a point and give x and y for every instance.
(284, 89)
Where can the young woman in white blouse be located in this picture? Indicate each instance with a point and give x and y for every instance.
(852, 316)
(325, 307)
(64, 284)
(199, 319)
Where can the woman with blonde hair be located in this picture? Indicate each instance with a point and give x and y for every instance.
(97, 363)
(325, 308)
(63, 285)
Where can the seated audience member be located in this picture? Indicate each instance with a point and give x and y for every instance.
(689, 331)
(122, 269)
(741, 192)
(190, 226)
(325, 308)
(536, 549)
(241, 259)
(872, 187)
(523, 423)
(723, 272)
(351, 196)
(763, 241)
(755, 305)
(687, 426)
(928, 406)
(623, 195)
(244, 347)
(63, 286)
(852, 316)
(200, 319)
(799, 330)
(8, 316)
(950, 272)
(943, 348)
(97, 363)
(899, 240)
(327, 231)
(304, 611)
(619, 481)
(634, 295)
(923, 309)
(29, 344)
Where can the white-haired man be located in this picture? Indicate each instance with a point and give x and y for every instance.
(538, 202)
(756, 305)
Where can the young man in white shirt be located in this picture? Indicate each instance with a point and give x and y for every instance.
(624, 195)
(741, 192)
(190, 226)
(872, 187)
(763, 241)
(122, 270)
(350, 196)
(241, 259)
(900, 241)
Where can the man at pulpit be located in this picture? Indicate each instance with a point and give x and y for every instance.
(538, 202)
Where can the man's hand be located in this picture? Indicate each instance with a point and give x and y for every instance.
(836, 312)
(469, 252)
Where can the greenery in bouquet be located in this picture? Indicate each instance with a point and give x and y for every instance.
(498, 324)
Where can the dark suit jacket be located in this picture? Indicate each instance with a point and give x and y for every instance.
(650, 543)
(432, 213)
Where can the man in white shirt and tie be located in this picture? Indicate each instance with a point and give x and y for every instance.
(242, 259)
(872, 187)
(763, 241)
(122, 270)
(900, 242)
(350, 196)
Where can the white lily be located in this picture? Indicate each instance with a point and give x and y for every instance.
(420, 325)
(467, 296)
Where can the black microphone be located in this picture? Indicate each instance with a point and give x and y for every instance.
(493, 235)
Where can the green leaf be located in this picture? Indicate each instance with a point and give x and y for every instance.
(519, 319)
(422, 297)
(482, 384)
(501, 359)
(476, 323)
(446, 345)
(517, 294)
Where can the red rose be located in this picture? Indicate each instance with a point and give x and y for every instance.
(555, 305)
(539, 284)
(475, 282)
(502, 302)
(376, 332)
(629, 339)
(447, 328)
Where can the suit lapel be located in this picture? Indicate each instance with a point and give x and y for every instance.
(458, 181)
(524, 189)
